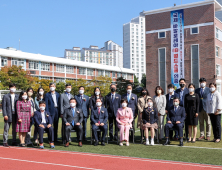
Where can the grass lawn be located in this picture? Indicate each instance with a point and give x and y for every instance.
(185, 154)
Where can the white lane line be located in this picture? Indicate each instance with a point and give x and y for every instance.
(129, 158)
(22, 160)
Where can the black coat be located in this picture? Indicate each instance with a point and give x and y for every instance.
(150, 117)
(112, 107)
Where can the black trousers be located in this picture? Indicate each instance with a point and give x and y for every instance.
(102, 128)
(79, 131)
(55, 120)
(112, 120)
(216, 124)
(179, 127)
(48, 130)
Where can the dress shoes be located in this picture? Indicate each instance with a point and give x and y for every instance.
(96, 143)
(67, 144)
(103, 143)
(5, 145)
(80, 144)
(181, 142)
(167, 142)
(201, 138)
(208, 138)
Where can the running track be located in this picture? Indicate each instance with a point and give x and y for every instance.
(35, 159)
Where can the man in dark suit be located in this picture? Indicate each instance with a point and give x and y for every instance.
(52, 100)
(9, 113)
(169, 103)
(83, 103)
(112, 103)
(43, 121)
(99, 117)
(72, 118)
(182, 93)
(64, 104)
(175, 119)
(132, 101)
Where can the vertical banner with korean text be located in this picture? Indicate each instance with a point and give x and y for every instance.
(177, 46)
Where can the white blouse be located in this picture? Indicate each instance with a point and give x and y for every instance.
(214, 102)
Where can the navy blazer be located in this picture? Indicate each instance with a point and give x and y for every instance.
(38, 118)
(173, 116)
(132, 103)
(150, 117)
(186, 91)
(169, 102)
(84, 105)
(112, 107)
(102, 117)
(50, 103)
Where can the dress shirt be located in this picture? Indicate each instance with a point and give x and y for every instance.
(113, 96)
(54, 99)
(68, 95)
(43, 117)
(13, 103)
(128, 96)
(170, 95)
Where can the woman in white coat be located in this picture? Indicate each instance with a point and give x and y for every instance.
(160, 100)
(214, 109)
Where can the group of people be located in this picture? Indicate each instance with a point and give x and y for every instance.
(183, 107)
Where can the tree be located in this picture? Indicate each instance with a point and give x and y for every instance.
(122, 84)
(143, 81)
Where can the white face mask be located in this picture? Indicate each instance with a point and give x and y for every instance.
(72, 104)
(150, 104)
(124, 104)
(12, 90)
(81, 91)
(24, 97)
(68, 90)
(97, 93)
(203, 84)
(175, 103)
(129, 91)
(52, 88)
(41, 93)
(212, 89)
(170, 90)
(159, 91)
(191, 90)
(42, 108)
(98, 104)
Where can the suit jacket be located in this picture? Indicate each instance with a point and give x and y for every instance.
(124, 118)
(179, 115)
(38, 118)
(169, 102)
(7, 105)
(132, 102)
(50, 103)
(186, 91)
(84, 105)
(150, 116)
(215, 103)
(161, 104)
(92, 102)
(203, 99)
(96, 117)
(68, 116)
(64, 102)
(112, 106)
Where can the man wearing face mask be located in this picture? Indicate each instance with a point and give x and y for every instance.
(72, 118)
(64, 104)
(182, 92)
(83, 103)
(112, 103)
(52, 100)
(203, 91)
(132, 102)
(99, 117)
(43, 121)
(9, 113)
(175, 119)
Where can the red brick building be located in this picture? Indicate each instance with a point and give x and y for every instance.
(202, 44)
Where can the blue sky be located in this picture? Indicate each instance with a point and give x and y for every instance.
(50, 26)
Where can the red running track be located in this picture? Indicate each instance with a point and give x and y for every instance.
(36, 159)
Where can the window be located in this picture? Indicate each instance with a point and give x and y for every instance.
(60, 80)
(45, 66)
(129, 76)
(124, 75)
(82, 71)
(218, 72)
(162, 67)
(219, 87)
(90, 72)
(46, 78)
(100, 73)
(217, 51)
(194, 30)
(137, 70)
(69, 69)
(107, 73)
(218, 34)
(18, 62)
(118, 75)
(4, 61)
(132, 29)
(162, 35)
(195, 65)
(114, 74)
(60, 68)
(34, 65)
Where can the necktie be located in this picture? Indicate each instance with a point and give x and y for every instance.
(201, 91)
(68, 95)
(99, 113)
(73, 113)
(128, 97)
(81, 98)
(149, 109)
(112, 97)
(175, 109)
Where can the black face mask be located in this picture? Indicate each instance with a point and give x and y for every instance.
(113, 89)
(144, 93)
(182, 85)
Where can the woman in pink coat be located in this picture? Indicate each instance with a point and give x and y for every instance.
(124, 118)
